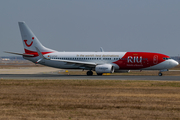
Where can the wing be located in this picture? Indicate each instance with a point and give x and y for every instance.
(85, 64)
(79, 63)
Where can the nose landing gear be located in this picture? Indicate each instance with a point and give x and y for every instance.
(160, 74)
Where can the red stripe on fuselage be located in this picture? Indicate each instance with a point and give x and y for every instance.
(140, 60)
(34, 52)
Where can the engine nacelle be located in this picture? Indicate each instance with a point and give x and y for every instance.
(106, 68)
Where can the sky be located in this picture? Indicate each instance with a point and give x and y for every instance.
(87, 25)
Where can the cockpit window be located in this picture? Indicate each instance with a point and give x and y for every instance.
(166, 58)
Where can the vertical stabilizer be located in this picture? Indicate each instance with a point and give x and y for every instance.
(30, 41)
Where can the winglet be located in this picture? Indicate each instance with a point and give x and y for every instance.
(101, 49)
(39, 53)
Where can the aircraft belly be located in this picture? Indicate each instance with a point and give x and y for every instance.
(160, 66)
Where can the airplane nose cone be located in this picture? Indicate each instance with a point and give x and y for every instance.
(174, 63)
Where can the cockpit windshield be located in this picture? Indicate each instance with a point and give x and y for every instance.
(167, 58)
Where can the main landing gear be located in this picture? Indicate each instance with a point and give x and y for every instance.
(89, 73)
(99, 74)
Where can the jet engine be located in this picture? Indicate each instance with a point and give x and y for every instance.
(106, 68)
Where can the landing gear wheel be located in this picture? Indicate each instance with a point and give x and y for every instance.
(99, 74)
(160, 74)
(89, 73)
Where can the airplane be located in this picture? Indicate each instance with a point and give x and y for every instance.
(100, 62)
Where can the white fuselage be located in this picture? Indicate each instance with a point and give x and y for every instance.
(99, 58)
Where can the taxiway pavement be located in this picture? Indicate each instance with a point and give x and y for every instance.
(48, 73)
(84, 77)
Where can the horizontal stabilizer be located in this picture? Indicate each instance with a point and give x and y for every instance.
(27, 55)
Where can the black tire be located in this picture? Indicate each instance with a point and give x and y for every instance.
(89, 73)
(160, 74)
(99, 74)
